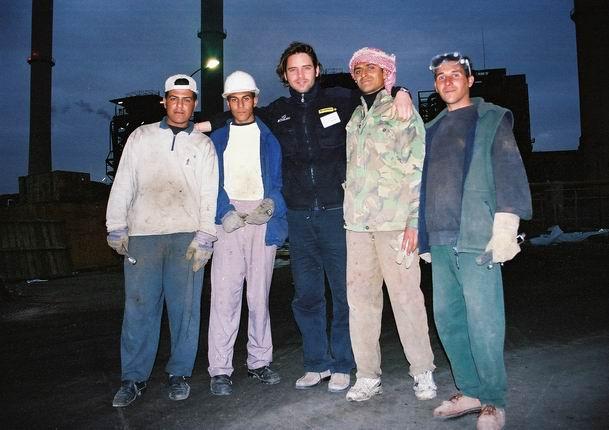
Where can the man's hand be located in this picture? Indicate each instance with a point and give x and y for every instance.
(203, 127)
(200, 250)
(503, 244)
(402, 106)
(232, 220)
(410, 240)
(405, 245)
(118, 240)
(262, 213)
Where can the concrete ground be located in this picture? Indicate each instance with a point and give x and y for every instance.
(61, 365)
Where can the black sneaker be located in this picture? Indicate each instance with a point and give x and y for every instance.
(127, 393)
(178, 388)
(221, 385)
(264, 374)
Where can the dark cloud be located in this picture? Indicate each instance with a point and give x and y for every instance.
(88, 108)
(104, 114)
(84, 106)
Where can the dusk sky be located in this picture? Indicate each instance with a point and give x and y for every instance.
(107, 49)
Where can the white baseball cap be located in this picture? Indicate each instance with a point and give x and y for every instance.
(181, 82)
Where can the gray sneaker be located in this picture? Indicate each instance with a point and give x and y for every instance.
(264, 374)
(127, 393)
(221, 385)
(178, 388)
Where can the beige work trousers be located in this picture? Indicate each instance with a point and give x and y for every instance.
(370, 260)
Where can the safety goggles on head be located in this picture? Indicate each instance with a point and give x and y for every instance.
(451, 56)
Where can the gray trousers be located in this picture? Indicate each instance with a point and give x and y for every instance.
(238, 256)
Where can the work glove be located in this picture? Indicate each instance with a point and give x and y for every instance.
(426, 257)
(503, 245)
(262, 213)
(200, 250)
(232, 220)
(401, 256)
(118, 240)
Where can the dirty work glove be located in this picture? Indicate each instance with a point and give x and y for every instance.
(503, 244)
(426, 257)
(200, 250)
(118, 240)
(232, 220)
(262, 213)
(401, 256)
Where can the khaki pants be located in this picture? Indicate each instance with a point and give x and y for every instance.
(370, 259)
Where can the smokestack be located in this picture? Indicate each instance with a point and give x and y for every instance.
(41, 62)
(212, 56)
(590, 17)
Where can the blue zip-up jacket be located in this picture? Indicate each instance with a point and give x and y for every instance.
(270, 159)
(311, 130)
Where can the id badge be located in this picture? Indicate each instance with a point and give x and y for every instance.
(329, 120)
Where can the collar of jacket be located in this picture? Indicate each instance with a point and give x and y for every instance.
(308, 96)
(264, 130)
(224, 132)
(481, 106)
(163, 125)
(477, 101)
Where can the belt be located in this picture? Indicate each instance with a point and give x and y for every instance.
(317, 208)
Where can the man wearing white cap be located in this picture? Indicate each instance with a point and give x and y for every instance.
(160, 215)
(251, 219)
(384, 163)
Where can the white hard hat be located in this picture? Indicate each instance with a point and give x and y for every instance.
(239, 82)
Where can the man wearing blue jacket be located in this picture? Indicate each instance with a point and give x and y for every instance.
(251, 215)
(310, 126)
(474, 192)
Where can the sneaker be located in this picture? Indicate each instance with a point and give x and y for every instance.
(178, 388)
(221, 385)
(339, 382)
(127, 393)
(424, 387)
(364, 389)
(311, 379)
(264, 374)
(491, 418)
(457, 406)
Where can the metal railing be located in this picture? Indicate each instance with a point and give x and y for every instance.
(571, 205)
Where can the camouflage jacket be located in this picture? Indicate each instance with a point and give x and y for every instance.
(384, 165)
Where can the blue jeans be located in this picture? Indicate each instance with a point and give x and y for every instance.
(161, 275)
(470, 318)
(318, 247)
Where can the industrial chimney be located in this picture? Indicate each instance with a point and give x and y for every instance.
(212, 56)
(41, 62)
(590, 17)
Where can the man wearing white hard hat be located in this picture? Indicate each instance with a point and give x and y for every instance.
(160, 215)
(251, 224)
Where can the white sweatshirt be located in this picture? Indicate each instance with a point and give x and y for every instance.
(164, 184)
(242, 171)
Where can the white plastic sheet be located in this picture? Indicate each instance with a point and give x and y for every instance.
(556, 235)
